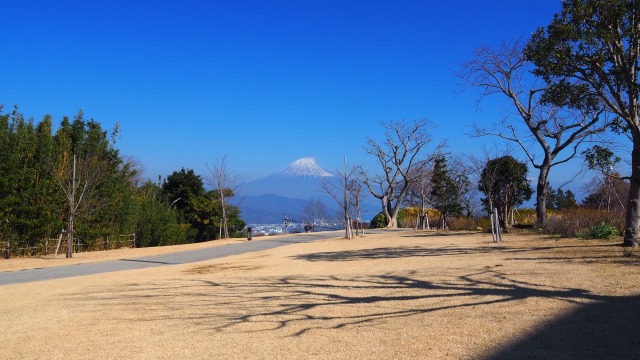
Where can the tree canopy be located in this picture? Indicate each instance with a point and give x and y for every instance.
(589, 54)
(505, 185)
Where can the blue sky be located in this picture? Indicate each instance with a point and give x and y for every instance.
(260, 82)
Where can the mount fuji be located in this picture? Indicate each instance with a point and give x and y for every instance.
(305, 167)
(268, 200)
(301, 179)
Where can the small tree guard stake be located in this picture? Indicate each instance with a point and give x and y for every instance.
(493, 227)
(496, 221)
(59, 241)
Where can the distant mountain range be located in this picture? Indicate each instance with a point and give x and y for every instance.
(268, 200)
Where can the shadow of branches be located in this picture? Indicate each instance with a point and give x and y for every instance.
(298, 305)
(421, 251)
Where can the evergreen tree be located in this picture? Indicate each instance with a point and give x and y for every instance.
(505, 184)
(157, 224)
(445, 195)
(560, 200)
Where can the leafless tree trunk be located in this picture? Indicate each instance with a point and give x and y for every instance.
(337, 187)
(355, 197)
(77, 178)
(550, 129)
(419, 190)
(313, 212)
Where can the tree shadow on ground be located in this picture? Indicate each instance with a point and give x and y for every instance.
(421, 251)
(608, 329)
(298, 305)
(393, 253)
(437, 233)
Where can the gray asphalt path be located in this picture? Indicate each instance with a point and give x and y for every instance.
(183, 257)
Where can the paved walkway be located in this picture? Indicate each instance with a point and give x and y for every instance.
(183, 257)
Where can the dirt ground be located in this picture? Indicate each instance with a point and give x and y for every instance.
(398, 295)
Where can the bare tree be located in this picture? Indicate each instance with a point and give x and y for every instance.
(315, 211)
(135, 168)
(85, 158)
(403, 144)
(355, 199)
(338, 187)
(551, 129)
(459, 170)
(419, 191)
(226, 184)
(77, 177)
(603, 191)
(606, 193)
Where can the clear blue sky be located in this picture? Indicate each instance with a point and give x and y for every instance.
(262, 82)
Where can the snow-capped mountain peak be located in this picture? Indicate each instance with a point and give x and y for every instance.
(305, 167)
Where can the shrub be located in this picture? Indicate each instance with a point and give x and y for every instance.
(410, 215)
(580, 222)
(604, 231)
(484, 223)
(379, 221)
(470, 224)
(411, 211)
(526, 216)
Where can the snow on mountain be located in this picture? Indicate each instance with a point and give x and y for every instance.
(305, 167)
(300, 180)
(269, 199)
(285, 192)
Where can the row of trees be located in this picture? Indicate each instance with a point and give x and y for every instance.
(423, 177)
(574, 79)
(573, 82)
(416, 175)
(74, 180)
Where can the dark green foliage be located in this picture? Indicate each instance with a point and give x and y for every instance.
(604, 231)
(184, 191)
(28, 194)
(601, 159)
(206, 216)
(591, 47)
(504, 182)
(157, 224)
(560, 200)
(35, 163)
(446, 194)
(181, 187)
(380, 220)
(608, 193)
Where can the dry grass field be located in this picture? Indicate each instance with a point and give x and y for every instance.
(398, 295)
